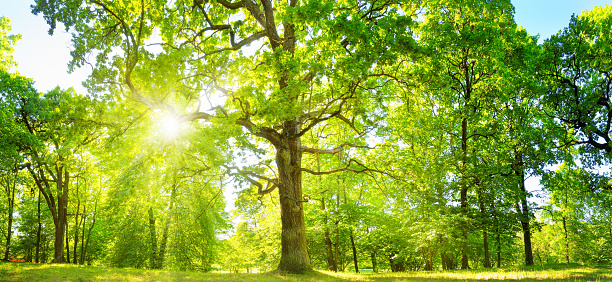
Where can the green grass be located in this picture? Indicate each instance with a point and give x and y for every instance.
(50, 272)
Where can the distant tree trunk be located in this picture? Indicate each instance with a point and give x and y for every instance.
(464, 187)
(76, 226)
(162, 247)
(93, 223)
(354, 251)
(58, 210)
(153, 236)
(485, 239)
(373, 258)
(67, 245)
(331, 261)
(567, 260)
(10, 197)
(84, 221)
(38, 232)
(523, 211)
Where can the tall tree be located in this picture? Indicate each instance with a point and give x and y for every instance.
(312, 67)
(576, 67)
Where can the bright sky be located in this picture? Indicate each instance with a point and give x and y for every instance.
(44, 58)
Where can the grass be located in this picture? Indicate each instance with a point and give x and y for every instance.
(49, 272)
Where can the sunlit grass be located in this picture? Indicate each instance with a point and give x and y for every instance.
(51, 272)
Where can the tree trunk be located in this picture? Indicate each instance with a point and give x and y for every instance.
(62, 219)
(38, 232)
(485, 237)
(82, 255)
(354, 252)
(162, 247)
(374, 266)
(76, 226)
(153, 236)
(93, 223)
(331, 262)
(294, 252)
(464, 190)
(10, 196)
(567, 260)
(524, 211)
(67, 245)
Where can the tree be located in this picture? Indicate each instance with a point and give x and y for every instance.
(313, 67)
(575, 66)
(6, 44)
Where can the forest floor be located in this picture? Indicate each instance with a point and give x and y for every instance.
(50, 272)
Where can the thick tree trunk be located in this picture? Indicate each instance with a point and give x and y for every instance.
(354, 252)
(38, 232)
(294, 253)
(10, 196)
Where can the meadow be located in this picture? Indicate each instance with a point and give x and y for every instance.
(10, 271)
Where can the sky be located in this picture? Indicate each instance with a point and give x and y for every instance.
(44, 58)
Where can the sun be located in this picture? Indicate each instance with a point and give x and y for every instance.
(170, 126)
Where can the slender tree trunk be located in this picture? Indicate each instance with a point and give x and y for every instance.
(485, 237)
(153, 236)
(464, 190)
(354, 252)
(38, 231)
(331, 262)
(76, 226)
(82, 255)
(567, 260)
(374, 265)
(93, 223)
(294, 252)
(162, 247)
(67, 245)
(524, 211)
(10, 195)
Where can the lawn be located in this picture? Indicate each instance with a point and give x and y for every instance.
(48, 272)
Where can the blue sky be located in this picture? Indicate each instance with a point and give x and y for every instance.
(44, 58)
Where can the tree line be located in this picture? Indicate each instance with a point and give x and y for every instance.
(393, 135)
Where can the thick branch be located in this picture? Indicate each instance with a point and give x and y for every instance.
(332, 151)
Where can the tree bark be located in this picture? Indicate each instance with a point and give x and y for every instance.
(485, 238)
(93, 223)
(374, 266)
(38, 232)
(565, 233)
(331, 262)
(153, 236)
(10, 196)
(76, 226)
(162, 247)
(294, 253)
(524, 211)
(354, 252)
(464, 190)
(67, 244)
